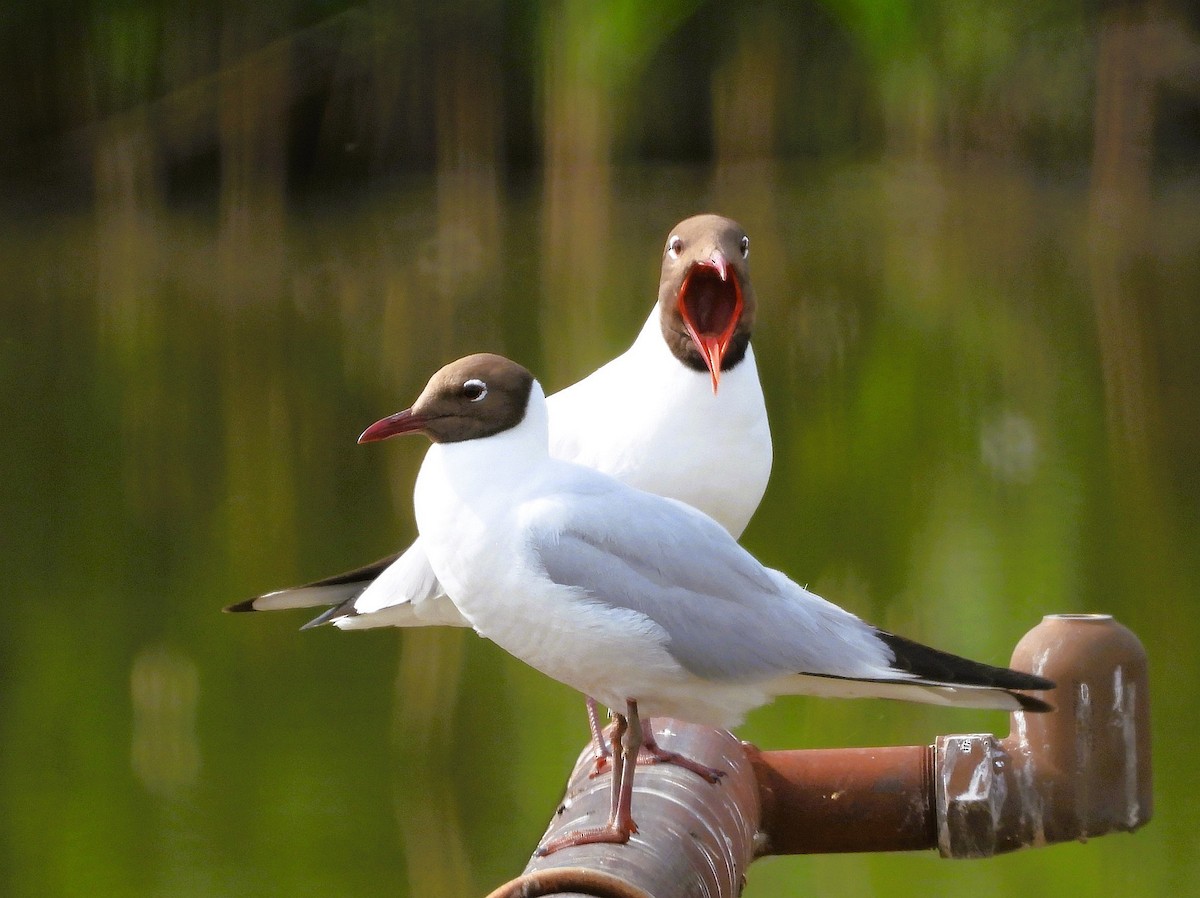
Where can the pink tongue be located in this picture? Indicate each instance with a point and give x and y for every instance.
(712, 348)
(709, 306)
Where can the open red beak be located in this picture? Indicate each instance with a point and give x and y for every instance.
(406, 421)
(710, 303)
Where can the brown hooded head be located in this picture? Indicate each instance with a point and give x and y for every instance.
(477, 396)
(706, 303)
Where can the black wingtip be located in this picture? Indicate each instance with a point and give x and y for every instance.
(359, 577)
(934, 664)
(1029, 703)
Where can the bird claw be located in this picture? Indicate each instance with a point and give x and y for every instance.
(656, 755)
(612, 834)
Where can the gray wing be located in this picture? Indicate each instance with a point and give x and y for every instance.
(727, 617)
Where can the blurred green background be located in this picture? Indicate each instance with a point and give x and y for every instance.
(233, 234)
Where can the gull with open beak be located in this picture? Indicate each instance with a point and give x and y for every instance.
(709, 303)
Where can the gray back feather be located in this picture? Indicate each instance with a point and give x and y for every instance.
(726, 616)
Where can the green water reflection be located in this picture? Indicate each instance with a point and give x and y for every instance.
(983, 411)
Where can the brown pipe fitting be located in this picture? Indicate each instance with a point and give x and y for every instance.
(1082, 770)
(694, 839)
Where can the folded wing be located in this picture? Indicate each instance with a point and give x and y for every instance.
(730, 619)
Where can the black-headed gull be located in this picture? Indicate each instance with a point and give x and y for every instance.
(643, 603)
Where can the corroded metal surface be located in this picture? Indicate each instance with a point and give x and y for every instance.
(824, 801)
(1092, 758)
(1081, 771)
(971, 788)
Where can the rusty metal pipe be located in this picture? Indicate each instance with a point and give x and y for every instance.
(835, 800)
(694, 838)
(1078, 772)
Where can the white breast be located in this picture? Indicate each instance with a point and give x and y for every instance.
(655, 424)
(472, 507)
(476, 508)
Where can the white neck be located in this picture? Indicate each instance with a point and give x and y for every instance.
(465, 488)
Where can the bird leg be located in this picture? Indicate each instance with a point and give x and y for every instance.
(631, 740)
(627, 739)
(653, 753)
(603, 754)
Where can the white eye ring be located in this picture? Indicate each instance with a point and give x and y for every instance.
(475, 389)
(674, 246)
(745, 246)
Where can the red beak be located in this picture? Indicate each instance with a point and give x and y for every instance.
(712, 324)
(406, 421)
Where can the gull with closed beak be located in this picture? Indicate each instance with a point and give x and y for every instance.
(642, 603)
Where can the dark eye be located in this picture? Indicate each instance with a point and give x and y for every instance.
(674, 246)
(474, 389)
(745, 246)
